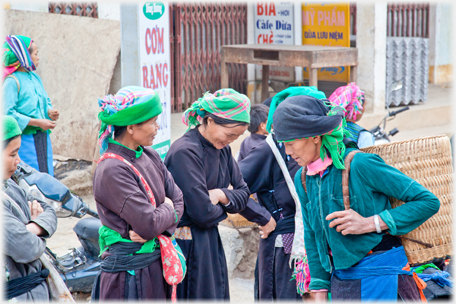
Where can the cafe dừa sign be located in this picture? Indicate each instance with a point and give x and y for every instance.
(274, 25)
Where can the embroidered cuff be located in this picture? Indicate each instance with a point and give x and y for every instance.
(176, 216)
(389, 221)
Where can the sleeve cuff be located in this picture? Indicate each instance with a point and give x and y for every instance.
(385, 215)
(318, 284)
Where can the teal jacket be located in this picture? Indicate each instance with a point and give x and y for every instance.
(371, 183)
(32, 101)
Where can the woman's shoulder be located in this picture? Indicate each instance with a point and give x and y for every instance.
(187, 144)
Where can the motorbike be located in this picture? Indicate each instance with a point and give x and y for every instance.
(79, 267)
(379, 132)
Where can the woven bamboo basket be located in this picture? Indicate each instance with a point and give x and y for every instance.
(427, 160)
(237, 220)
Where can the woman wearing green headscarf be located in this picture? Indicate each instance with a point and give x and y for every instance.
(137, 200)
(349, 252)
(26, 100)
(203, 167)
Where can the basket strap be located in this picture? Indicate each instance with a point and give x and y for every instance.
(345, 175)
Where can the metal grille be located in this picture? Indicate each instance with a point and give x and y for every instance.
(404, 20)
(199, 32)
(76, 9)
(408, 20)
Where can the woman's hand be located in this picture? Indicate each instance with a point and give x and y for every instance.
(136, 238)
(35, 209)
(268, 228)
(218, 196)
(53, 114)
(46, 124)
(169, 202)
(35, 229)
(351, 222)
(320, 296)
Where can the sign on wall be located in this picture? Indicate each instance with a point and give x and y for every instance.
(154, 60)
(327, 24)
(274, 25)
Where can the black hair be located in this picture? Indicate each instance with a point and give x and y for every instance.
(119, 130)
(258, 114)
(7, 141)
(222, 121)
(267, 102)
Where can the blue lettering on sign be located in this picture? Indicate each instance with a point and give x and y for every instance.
(309, 34)
(280, 36)
(334, 70)
(278, 41)
(283, 25)
(262, 25)
(284, 13)
(336, 35)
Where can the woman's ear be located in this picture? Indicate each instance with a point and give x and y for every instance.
(316, 139)
(130, 129)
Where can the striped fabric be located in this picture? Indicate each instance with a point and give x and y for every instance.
(224, 103)
(16, 54)
(351, 98)
(125, 98)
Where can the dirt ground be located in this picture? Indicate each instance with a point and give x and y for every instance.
(241, 290)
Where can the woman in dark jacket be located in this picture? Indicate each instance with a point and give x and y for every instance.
(204, 168)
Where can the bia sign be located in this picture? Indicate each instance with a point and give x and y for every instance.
(153, 10)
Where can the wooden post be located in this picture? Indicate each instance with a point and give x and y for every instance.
(313, 80)
(224, 71)
(265, 83)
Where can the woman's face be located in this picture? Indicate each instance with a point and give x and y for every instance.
(304, 150)
(144, 133)
(34, 54)
(222, 135)
(11, 157)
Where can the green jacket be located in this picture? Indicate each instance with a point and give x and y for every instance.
(371, 183)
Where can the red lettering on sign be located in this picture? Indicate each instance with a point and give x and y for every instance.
(145, 84)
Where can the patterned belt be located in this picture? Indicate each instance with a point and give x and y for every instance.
(183, 233)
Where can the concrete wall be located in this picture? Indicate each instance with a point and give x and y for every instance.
(371, 44)
(109, 10)
(78, 56)
(440, 43)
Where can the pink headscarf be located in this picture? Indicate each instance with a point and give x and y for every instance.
(350, 97)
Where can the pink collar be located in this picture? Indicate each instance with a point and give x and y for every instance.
(319, 166)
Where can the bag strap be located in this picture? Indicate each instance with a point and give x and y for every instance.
(173, 275)
(143, 181)
(345, 178)
(17, 82)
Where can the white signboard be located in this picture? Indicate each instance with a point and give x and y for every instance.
(274, 25)
(154, 60)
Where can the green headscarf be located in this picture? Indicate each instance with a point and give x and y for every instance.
(131, 105)
(304, 116)
(288, 92)
(224, 103)
(10, 127)
(16, 54)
